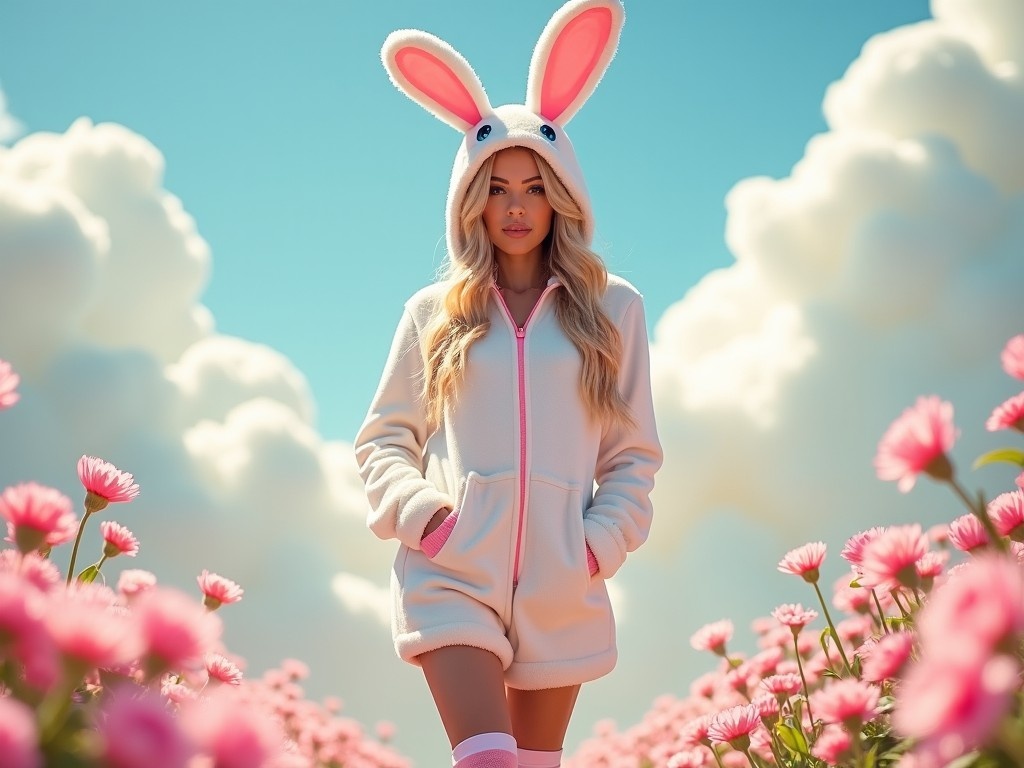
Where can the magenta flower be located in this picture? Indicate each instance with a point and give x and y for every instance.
(135, 581)
(794, 616)
(231, 732)
(885, 658)
(967, 534)
(889, 561)
(138, 731)
(118, 540)
(917, 442)
(713, 637)
(223, 669)
(853, 550)
(218, 590)
(833, 745)
(176, 632)
(1007, 513)
(1008, 415)
(733, 726)
(37, 516)
(18, 736)
(848, 702)
(104, 483)
(1013, 357)
(804, 561)
(8, 383)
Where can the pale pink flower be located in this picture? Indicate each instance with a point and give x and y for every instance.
(295, 669)
(695, 732)
(833, 745)
(175, 692)
(223, 669)
(885, 658)
(1007, 513)
(18, 736)
(918, 442)
(967, 534)
(689, 758)
(853, 550)
(804, 561)
(1008, 415)
(767, 706)
(218, 590)
(119, 540)
(35, 570)
(86, 629)
(938, 534)
(889, 561)
(782, 685)
(135, 581)
(850, 599)
(1020, 481)
(8, 384)
(176, 631)
(931, 564)
(705, 685)
(1013, 357)
(854, 630)
(23, 634)
(794, 616)
(733, 726)
(233, 733)
(849, 702)
(104, 483)
(713, 637)
(138, 731)
(765, 662)
(40, 516)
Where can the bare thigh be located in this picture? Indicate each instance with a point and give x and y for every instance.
(540, 718)
(469, 691)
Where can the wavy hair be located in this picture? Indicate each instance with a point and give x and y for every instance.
(462, 315)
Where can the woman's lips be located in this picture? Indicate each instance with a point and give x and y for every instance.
(517, 231)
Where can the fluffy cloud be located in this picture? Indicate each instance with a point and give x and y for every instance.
(10, 127)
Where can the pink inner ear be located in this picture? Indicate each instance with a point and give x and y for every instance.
(436, 80)
(573, 57)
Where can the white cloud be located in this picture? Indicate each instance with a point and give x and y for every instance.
(10, 126)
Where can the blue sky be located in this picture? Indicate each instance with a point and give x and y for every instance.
(320, 188)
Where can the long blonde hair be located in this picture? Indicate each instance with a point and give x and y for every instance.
(462, 316)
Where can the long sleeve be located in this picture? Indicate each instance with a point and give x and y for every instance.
(389, 446)
(619, 518)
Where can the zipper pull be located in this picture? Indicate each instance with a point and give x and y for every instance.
(520, 333)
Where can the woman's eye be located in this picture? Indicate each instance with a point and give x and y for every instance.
(497, 190)
(537, 189)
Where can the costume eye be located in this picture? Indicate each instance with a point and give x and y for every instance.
(483, 132)
(548, 131)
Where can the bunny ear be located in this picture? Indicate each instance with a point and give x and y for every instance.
(435, 76)
(571, 56)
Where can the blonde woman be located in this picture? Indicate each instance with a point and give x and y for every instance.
(511, 445)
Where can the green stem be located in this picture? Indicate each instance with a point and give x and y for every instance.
(979, 511)
(881, 613)
(74, 550)
(749, 758)
(807, 693)
(717, 758)
(832, 627)
(896, 599)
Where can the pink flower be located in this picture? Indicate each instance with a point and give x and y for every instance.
(733, 726)
(918, 442)
(18, 737)
(217, 590)
(223, 669)
(767, 706)
(833, 745)
(695, 732)
(931, 564)
(86, 629)
(1013, 357)
(782, 685)
(1007, 513)
(138, 731)
(889, 561)
(967, 534)
(713, 637)
(1009, 415)
(1020, 481)
(794, 616)
(23, 635)
(176, 631)
(804, 561)
(853, 551)
(885, 658)
(232, 732)
(135, 581)
(8, 382)
(40, 516)
(119, 540)
(849, 702)
(689, 758)
(35, 570)
(175, 692)
(104, 483)
(850, 599)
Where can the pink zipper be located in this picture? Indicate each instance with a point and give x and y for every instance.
(521, 360)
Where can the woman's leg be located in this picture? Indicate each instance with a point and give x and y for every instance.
(469, 691)
(539, 721)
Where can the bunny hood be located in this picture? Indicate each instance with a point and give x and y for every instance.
(571, 55)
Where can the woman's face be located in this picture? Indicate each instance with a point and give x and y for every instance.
(517, 215)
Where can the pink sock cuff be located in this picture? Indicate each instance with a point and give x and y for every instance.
(532, 758)
(431, 543)
(592, 561)
(484, 744)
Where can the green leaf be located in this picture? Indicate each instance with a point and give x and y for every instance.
(793, 738)
(88, 576)
(1008, 455)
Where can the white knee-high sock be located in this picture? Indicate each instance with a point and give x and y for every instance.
(532, 758)
(486, 750)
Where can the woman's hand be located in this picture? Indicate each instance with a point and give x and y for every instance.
(435, 521)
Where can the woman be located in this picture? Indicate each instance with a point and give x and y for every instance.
(514, 386)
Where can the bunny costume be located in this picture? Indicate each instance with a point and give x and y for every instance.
(545, 501)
